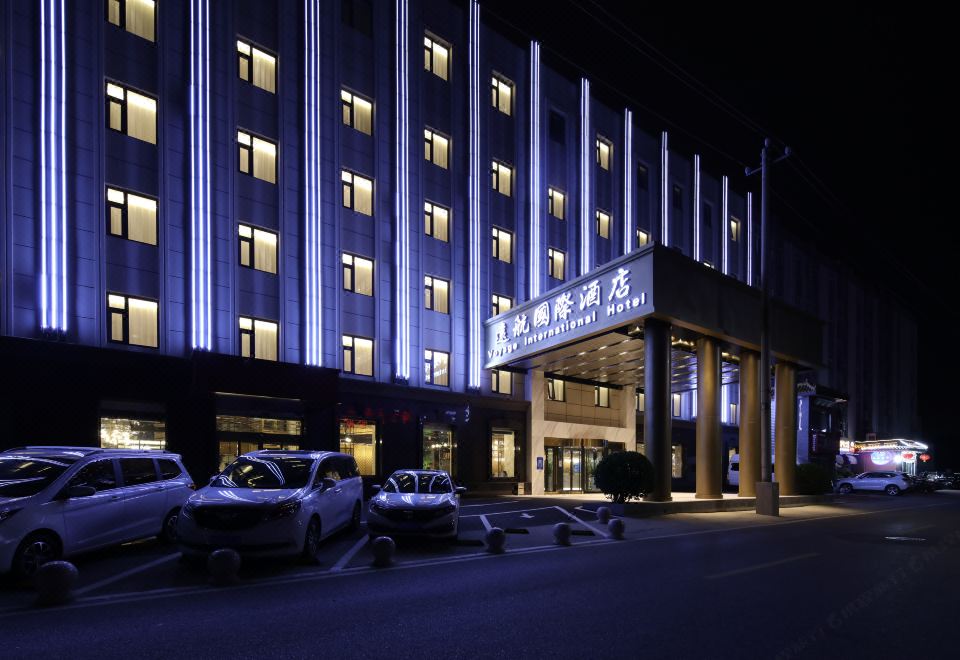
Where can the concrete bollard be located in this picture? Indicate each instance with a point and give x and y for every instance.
(615, 527)
(603, 515)
(54, 582)
(561, 533)
(495, 539)
(223, 566)
(383, 548)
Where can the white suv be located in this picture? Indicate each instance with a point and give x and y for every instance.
(60, 501)
(891, 483)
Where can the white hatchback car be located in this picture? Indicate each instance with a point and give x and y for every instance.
(416, 502)
(891, 483)
(60, 501)
(273, 503)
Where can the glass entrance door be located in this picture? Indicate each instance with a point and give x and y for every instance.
(572, 470)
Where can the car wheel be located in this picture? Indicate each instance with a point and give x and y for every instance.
(891, 490)
(35, 551)
(846, 489)
(168, 533)
(311, 543)
(355, 518)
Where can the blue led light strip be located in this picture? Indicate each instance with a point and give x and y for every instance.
(696, 207)
(725, 226)
(535, 275)
(586, 164)
(200, 171)
(749, 239)
(627, 181)
(313, 266)
(664, 190)
(402, 199)
(475, 359)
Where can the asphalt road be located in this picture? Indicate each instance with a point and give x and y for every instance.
(868, 575)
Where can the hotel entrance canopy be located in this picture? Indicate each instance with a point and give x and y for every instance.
(592, 327)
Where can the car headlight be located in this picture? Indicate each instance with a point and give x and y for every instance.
(7, 513)
(285, 510)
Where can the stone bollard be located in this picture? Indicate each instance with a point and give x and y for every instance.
(223, 566)
(603, 515)
(383, 548)
(496, 539)
(615, 527)
(54, 582)
(561, 533)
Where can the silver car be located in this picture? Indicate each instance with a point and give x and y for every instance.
(416, 502)
(891, 483)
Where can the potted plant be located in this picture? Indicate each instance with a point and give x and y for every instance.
(623, 476)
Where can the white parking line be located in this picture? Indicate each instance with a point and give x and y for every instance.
(587, 525)
(467, 506)
(503, 513)
(757, 567)
(126, 574)
(348, 555)
(483, 518)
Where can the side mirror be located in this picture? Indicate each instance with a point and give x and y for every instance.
(327, 483)
(79, 491)
(376, 488)
(460, 490)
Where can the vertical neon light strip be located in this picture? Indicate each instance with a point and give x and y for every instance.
(749, 239)
(313, 248)
(200, 171)
(474, 362)
(62, 172)
(664, 190)
(696, 207)
(586, 219)
(627, 181)
(535, 273)
(44, 174)
(402, 198)
(725, 224)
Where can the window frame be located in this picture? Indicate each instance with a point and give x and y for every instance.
(498, 80)
(552, 252)
(430, 220)
(430, 136)
(249, 57)
(124, 107)
(609, 159)
(601, 396)
(353, 354)
(609, 218)
(496, 167)
(646, 237)
(430, 294)
(351, 109)
(352, 267)
(429, 361)
(430, 53)
(552, 193)
(122, 18)
(251, 242)
(552, 390)
(496, 233)
(125, 319)
(109, 205)
(252, 332)
(251, 151)
(496, 380)
(495, 299)
(734, 229)
(352, 186)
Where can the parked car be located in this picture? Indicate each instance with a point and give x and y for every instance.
(60, 501)
(416, 502)
(273, 503)
(891, 483)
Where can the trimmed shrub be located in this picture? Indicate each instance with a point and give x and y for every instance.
(813, 479)
(624, 475)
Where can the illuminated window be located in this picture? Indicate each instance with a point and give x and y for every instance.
(601, 396)
(555, 263)
(257, 66)
(435, 148)
(501, 304)
(436, 294)
(436, 367)
(436, 221)
(358, 438)
(132, 320)
(258, 248)
(676, 404)
(501, 381)
(502, 244)
(556, 390)
(555, 203)
(604, 152)
(120, 433)
(503, 454)
(640, 402)
(357, 192)
(257, 156)
(258, 338)
(643, 237)
(357, 274)
(357, 355)
(502, 178)
(436, 56)
(734, 230)
(502, 95)
(131, 216)
(131, 113)
(676, 462)
(135, 16)
(603, 224)
(357, 112)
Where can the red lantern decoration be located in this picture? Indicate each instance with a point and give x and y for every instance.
(908, 455)
(925, 457)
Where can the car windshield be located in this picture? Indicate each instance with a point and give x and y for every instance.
(22, 477)
(413, 482)
(261, 472)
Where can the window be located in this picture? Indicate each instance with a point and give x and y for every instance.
(601, 396)
(557, 127)
(555, 263)
(502, 178)
(120, 433)
(436, 221)
(258, 338)
(132, 320)
(436, 294)
(131, 113)
(131, 216)
(502, 244)
(643, 237)
(168, 469)
(134, 16)
(100, 475)
(503, 449)
(258, 157)
(640, 402)
(138, 471)
(556, 389)
(676, 401)
(258, 248)
(435, 148)
(733, 412)
(555, 200)
(256, 66)
(357, 14)
(676, 462)
(502, 95)
(357, 355)
(357, 274)
(357, 112)
(603, 224)
(604, 152)
(501, 304)
(437, 367)
(436, 56)
(501, 381)
(357, 192)
(439, 452)
(734, 230)
(358, 438)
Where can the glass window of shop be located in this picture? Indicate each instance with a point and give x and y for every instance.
(358, 437)
(439, 449)
(123, 433)
(238, 435)
(676, 459)
(503, 454)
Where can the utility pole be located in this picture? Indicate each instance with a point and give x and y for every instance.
(767, 491)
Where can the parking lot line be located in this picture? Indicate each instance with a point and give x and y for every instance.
(349, 554)
(504, 513)
(483, 518)
(467, 506)
(757, 567)
(126, 574)
(587, 525)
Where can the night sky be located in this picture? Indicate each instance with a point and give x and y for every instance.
(860, 96)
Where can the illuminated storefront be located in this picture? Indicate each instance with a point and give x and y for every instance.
(358, 437)
(239, 435)
(894, 454)
(120, 433)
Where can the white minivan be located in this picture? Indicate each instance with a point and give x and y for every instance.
(60, 501)
(733, 471)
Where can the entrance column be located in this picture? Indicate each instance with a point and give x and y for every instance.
(535, 395)
(709, 455)
(749, 423)
(785, 463)
(657, 421)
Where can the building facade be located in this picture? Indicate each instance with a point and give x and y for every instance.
(239, 225)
